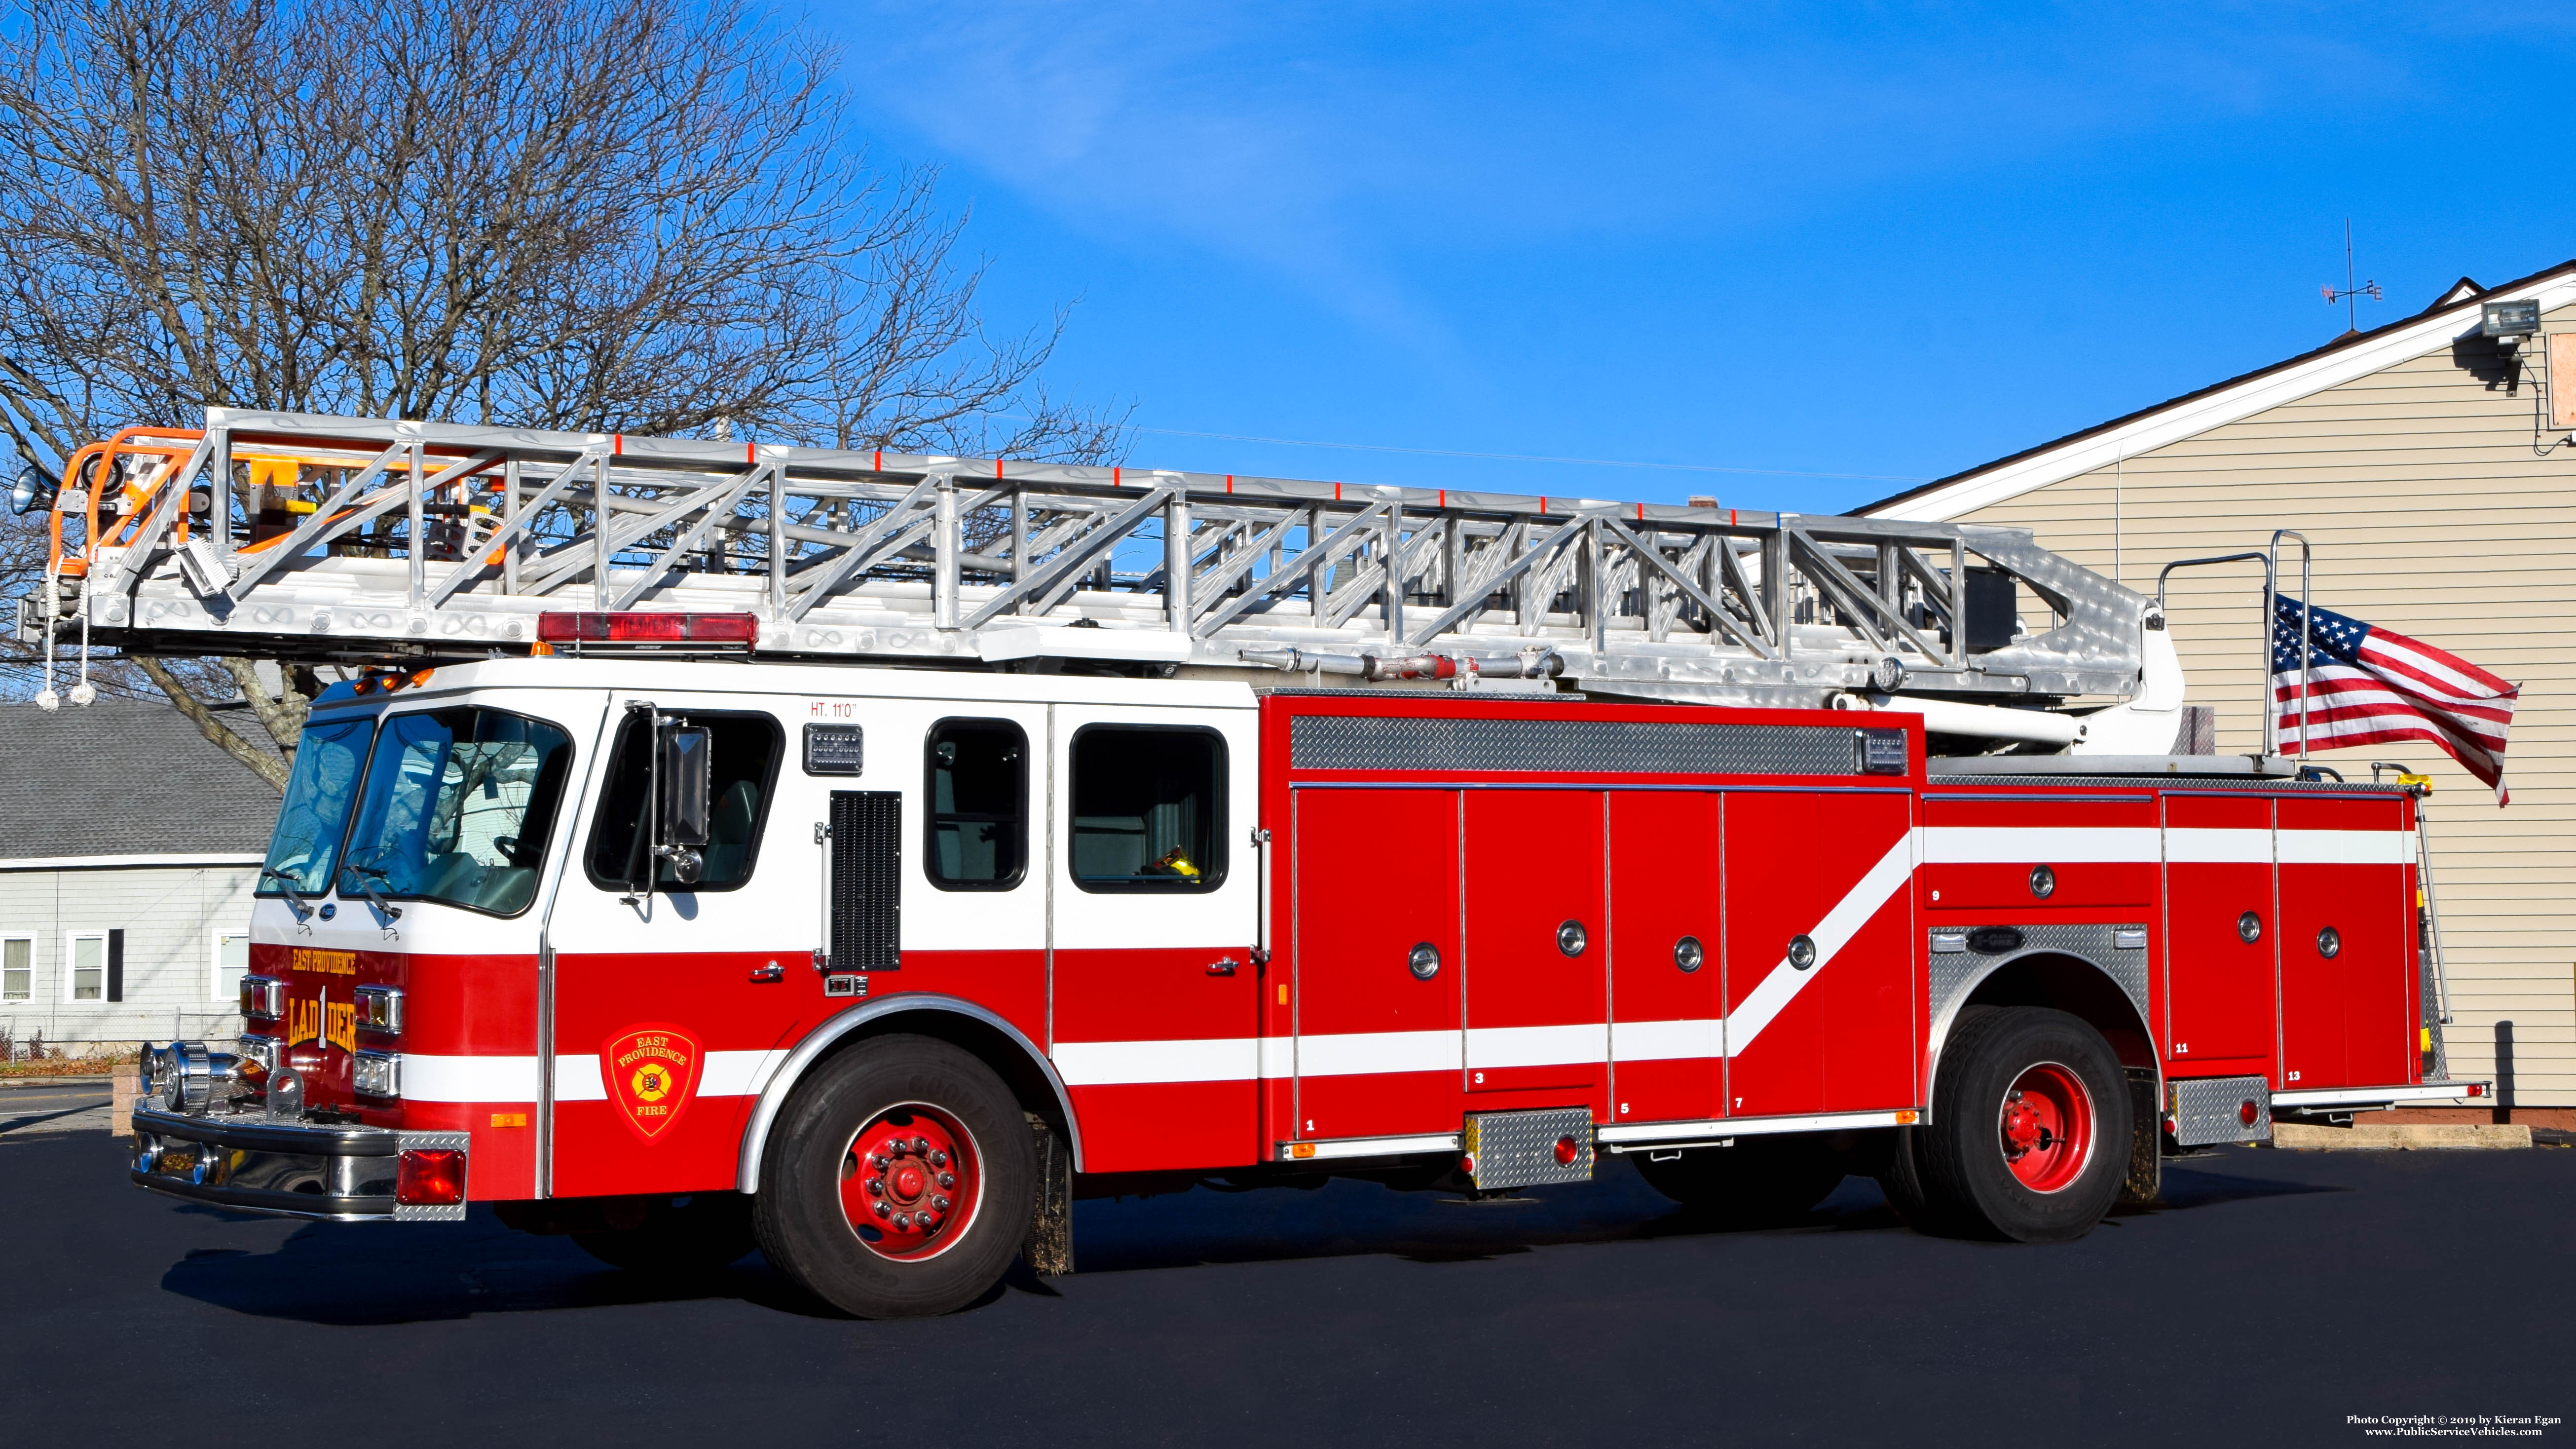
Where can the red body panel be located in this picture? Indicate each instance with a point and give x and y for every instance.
(1374, 874)
(2220, 988)
(1534, 861)
(2346, 1020)
(1161, 994)
(1667, 882)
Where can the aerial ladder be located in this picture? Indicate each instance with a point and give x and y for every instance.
(332, 540)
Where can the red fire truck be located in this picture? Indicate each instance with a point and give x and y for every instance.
(684, 928)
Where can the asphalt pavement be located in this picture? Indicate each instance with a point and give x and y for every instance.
(36, 1111)
(2271, 1297)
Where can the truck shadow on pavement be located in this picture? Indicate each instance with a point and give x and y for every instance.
(349, 1274)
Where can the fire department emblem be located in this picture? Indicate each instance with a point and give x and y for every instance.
(651, 1072)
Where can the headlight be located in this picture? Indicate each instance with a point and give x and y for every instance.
(380, 1008)
(263, 998)
(378, 1074)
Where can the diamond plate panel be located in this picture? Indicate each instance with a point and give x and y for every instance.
(415, 1141)
(1518, 1149)
(1628, 747)
(2206, 1110)
(1953, 972)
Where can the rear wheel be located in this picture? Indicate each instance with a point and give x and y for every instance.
(1759, 1182)
(2029, 1138)
(898, 1180)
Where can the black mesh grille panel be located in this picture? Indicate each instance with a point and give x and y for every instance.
(867, 880)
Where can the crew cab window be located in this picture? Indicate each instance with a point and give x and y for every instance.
(1148, 809)
(742, 764)
(305, 846)
(976, 777)
(456, 808)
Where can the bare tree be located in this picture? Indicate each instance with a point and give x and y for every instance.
(636, 216)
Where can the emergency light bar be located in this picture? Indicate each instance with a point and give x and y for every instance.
(650, 629)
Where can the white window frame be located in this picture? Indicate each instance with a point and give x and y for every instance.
(71, 976)
(30, 938)
(227, 981)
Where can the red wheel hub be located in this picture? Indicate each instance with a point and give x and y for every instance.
(910, 1181)
(2047, 1127)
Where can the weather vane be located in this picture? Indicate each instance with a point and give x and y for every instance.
(2349, 293)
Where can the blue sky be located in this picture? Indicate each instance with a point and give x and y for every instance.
(1807, 238)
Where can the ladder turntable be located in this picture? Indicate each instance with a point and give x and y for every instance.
(327, 539)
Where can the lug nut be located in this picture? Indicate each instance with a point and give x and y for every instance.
(876, 1187)
(921, 1144)
(939, 1159)
(878, 1162)
(948, 1179)
(940, 1203)
(882, 1209)
(903, 1221)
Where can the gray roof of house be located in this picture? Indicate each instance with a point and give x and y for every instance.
(127, 777)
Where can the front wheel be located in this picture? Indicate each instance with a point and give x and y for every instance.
(2029, 1138)
(899, 1180)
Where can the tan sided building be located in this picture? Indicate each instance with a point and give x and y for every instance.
(2420, 461)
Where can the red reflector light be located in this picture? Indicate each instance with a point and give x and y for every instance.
(430, 1177)
(646, 627)
(2246, 1114)
(1567, 1151)
(2477, 1089)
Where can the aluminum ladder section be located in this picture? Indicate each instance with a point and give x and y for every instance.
(893, 558)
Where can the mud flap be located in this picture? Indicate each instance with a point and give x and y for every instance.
(2146, 1129)
(1048, 1249)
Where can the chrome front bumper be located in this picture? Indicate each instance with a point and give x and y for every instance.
(304, 1170)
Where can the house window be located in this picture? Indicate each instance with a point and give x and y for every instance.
(1148, 809)
(978, 783)
(232, 963)
(87, 980)
(17, 968)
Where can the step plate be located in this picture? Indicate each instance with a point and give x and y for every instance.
(1519, 1149)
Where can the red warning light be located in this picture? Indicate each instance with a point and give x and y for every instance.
(647, 628)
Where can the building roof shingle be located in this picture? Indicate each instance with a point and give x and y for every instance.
(126, 777)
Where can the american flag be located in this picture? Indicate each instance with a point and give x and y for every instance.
(2369, 686)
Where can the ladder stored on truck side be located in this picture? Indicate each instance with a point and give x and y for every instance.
(314, 538)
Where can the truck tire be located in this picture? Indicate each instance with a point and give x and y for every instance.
(2029, 1138)
(898, 1181)
(697, 1233)
(1759, 1182)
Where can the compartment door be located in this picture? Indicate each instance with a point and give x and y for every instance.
(1824, 878)
(2219, 986)
(1537, 948)
(1374, 876)
(2347, 1019)
(1667, 1061)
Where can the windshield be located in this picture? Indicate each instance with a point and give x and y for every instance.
(306, 844)
(457, 808)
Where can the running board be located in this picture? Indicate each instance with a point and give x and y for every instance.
(2382, 1096)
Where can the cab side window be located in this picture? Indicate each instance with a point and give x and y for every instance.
(976, 778)
(742, 758)
(1148, 809)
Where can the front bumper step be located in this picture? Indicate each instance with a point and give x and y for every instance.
(334, 1172)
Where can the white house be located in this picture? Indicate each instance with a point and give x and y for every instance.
(129, 847)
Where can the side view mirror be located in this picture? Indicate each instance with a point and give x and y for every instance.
(683, 813)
